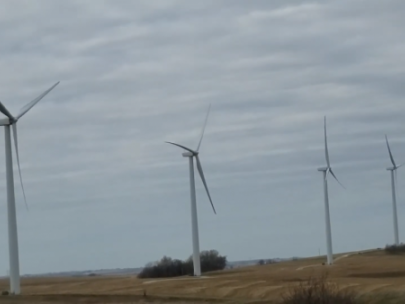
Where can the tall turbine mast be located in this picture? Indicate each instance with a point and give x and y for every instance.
(393, 170)
(8, 123)
(326, 170)
(191, 154)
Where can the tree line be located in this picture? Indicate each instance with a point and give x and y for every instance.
(211, 260)
(395, 249)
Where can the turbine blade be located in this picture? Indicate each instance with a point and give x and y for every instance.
(203, 130)
(185, 148)
(32, 103)
(400, 165)
(327, 172)
(333, 174)
(396, 182)
(396, 177)
(389, 151)
(18, 161)
(200, 170)
(4, 110)
(326, 144)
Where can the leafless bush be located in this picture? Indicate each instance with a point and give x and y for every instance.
(395, 249)
(168, 267)
(317, 290)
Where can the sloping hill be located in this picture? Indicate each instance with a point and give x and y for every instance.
(371, 272)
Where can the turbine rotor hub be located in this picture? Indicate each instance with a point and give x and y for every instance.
(189, 154)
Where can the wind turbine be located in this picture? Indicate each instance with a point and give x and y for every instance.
(326, 170)
(191, 154)
(394, 198)
(8, 122)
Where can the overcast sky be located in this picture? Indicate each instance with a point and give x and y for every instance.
(104, 189)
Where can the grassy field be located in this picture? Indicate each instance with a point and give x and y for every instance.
(373, 274)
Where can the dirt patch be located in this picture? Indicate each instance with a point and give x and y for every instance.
(293, 280)
(378, 275)
(369, 273)
(93, 299)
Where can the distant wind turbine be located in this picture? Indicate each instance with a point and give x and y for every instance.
(194, 219)
(394, 198)
(12, 216)
(326, 170)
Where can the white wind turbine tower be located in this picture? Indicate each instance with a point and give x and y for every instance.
(194, 220)
(8, 122)
(394, 198)
(326, 170)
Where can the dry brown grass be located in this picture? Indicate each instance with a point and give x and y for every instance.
(374, 275)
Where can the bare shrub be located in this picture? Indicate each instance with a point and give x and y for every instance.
(168, 267)
(395, 249)
(317, 290)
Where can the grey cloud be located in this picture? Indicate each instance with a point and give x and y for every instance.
(101, 181)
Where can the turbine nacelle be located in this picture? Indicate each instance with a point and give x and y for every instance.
(391, 168)
(189, 154)
(323, 169)
(5, 121)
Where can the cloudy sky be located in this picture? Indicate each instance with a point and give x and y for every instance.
(104, 189)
